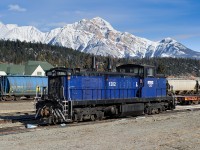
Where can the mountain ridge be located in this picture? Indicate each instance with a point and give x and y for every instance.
(98, 37)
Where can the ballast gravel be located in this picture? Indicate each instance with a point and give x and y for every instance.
(158, 132)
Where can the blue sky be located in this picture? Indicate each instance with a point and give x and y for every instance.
(151, 19)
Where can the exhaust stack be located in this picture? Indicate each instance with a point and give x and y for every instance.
(94, 63)
(109, 65)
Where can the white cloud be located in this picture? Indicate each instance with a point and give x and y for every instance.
(16, 8)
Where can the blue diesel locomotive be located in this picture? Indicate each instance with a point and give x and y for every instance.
(75, 95)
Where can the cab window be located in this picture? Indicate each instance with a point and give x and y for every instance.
(150, 72)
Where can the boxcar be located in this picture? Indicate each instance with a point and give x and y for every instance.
(183, 86)
(186, 91)
(13, 87)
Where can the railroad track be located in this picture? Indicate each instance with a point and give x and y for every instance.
(18, 101)
(31, 120)
(17, 117)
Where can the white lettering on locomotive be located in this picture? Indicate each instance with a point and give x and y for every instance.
(112, 84)
(150, 83)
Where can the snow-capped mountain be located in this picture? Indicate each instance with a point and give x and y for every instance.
(98, 37)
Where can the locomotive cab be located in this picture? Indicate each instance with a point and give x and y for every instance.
(149, 84)
(142, 71)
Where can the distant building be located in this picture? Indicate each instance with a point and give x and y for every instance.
(3, 68)
(32, 68)
(37, 68)
(3, 73)
(13, 69)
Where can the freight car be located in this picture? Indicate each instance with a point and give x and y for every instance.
(75, 95)
(186, 91)
(13, 87)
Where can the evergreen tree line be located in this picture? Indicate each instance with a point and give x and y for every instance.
(17, 52)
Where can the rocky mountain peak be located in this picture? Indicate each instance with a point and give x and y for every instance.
(168, 40)
(98, 37)
(101, 23)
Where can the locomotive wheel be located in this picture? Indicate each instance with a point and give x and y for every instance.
(93, 117)
(14, 98)
(9, 98)
(153, 111)
(75, 118)
(2, 99)
(100, 115)
(149, 111)
(78, 117)
(157, 111)
(54, 120)
(195, 102)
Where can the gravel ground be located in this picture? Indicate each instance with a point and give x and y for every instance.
(159, 132)
(22, 106)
